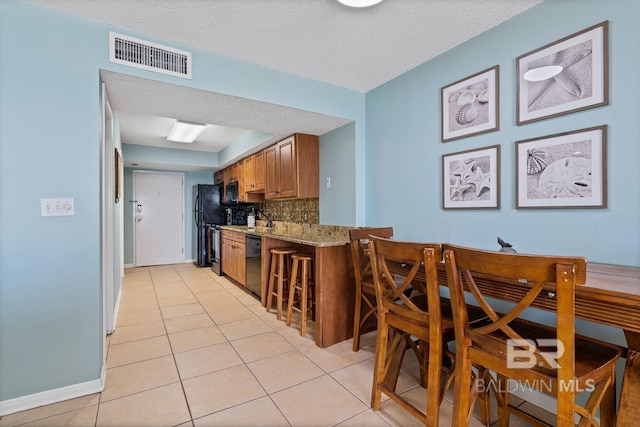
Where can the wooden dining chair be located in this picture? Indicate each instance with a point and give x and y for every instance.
(524, 354)
(401, 319)
(365, 295)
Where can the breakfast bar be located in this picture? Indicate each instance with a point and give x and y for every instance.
(335, 291)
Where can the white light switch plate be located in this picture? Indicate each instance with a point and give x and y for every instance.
(56, 207)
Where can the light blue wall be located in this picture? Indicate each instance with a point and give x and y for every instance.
(245, 142)
(337, 160)
(404, 149)
(169, 156)
(50, 296)
(128, 216)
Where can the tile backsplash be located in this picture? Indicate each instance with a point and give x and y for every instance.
(292, 210)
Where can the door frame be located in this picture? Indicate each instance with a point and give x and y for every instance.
(107, 222)
(133, 211)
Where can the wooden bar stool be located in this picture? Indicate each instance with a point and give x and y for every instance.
(301, 289)
(279, 275)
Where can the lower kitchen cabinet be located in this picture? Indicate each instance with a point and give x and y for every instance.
(233, 255)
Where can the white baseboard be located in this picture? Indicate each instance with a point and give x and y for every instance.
(184, 262)
(53, 396)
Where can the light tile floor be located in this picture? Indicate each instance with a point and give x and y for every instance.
(193, 349)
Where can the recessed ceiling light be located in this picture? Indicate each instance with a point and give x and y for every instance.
(185, 132)
(359, 3)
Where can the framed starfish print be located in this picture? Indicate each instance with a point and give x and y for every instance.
(566, 170)
(571, 74)
(471, 179)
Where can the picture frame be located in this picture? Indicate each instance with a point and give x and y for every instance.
(117, 174)
(471, 179)
(568, 75)
(470, 106)
(565, 170)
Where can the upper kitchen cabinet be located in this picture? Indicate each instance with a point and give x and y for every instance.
(218, 177)
(254, 172)
(254, 177)
(238, 176)
(292, 168)
(227, 173)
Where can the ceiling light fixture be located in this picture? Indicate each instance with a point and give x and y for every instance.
(185, 132)
(359, 3)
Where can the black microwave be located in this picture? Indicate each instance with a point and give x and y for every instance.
(231, 193)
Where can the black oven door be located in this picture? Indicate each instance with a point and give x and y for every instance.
(215, 251)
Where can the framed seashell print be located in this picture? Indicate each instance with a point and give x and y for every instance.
(566, 170)
(471, 179)
(568, 75)
(470, 105)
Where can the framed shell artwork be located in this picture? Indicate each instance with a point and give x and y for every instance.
(566, 170)
(470, 106)
(471, 179)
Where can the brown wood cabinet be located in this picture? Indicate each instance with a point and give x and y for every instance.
(233, 255)
(228, 174)
(254, 172)
(258, 171)
(239, 176)
(218, 177)
(292, 168)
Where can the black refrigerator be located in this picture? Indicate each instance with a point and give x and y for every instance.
(208, 212)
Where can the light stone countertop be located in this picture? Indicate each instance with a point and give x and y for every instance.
(306, 234)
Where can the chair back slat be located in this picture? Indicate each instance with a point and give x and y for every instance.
(537, 272)
(365, 300)
(391, 288)
(359, 242)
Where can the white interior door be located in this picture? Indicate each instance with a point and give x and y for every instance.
(158, 218)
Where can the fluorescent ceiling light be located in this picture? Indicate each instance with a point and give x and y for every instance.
(185, 132)
(359, 3)
(542, 73)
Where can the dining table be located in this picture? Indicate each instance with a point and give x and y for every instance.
(610, 296)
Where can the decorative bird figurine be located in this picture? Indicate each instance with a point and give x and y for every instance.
(506, 247)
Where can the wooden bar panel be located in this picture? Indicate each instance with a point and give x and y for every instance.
(335, 289)
(335, 295)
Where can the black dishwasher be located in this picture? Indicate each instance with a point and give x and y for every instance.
(253, 250)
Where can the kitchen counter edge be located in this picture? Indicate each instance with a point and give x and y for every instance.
(314, 236)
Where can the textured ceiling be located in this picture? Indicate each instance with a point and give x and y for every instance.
(358, 49)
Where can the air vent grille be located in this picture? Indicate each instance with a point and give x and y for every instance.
(138, 53)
